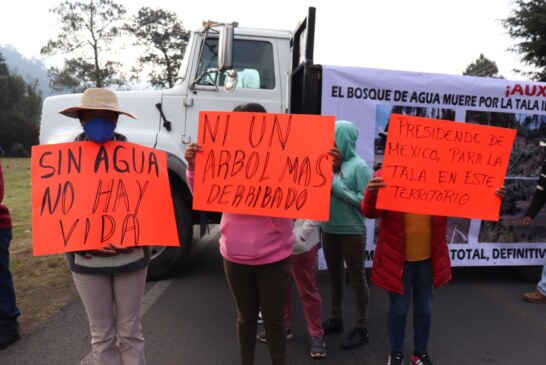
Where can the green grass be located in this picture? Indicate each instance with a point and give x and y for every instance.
(43, 284)
(17, 193)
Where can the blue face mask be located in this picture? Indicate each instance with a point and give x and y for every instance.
(99, 130)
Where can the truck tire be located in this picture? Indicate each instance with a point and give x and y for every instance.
(166, 259)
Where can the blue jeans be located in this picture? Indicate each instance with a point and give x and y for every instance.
(8, 310)
(417, 282)
(541, 286)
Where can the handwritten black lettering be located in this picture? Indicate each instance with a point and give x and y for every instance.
(107, 193)
(123, 166)
(74, 161)
(430, 195)
(264, 196)
(108, 227)
(209, 132)
(419, 131)
(130, 224)
(66, 237)
(67, 194)
(283, 139)
(478, 178)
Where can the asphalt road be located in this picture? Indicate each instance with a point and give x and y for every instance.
(479, 318)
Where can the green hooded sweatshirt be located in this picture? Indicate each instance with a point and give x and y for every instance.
(349, 185)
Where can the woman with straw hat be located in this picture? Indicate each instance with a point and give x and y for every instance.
(110, 281)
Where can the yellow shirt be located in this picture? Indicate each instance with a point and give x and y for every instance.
(418, 229)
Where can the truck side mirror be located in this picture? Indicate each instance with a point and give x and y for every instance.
(231, 80)
(225, 47)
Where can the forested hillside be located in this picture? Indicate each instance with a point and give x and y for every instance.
(29, 69)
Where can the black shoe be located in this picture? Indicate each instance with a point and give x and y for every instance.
(420, 359)
(5, 341)
(333, 325)
(357, 337)
(396, 358)
(263, 338)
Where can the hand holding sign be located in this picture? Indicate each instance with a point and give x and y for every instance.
(189, 154)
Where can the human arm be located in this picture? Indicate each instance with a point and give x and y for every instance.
(110, 250)
(538, 201)
(340, 190)
(307, 235)
(1, 184)
(368, 208)
(501, 192)
(189, 154)
(539, 197)
(352, 196)
(307, 227)
(336, 159)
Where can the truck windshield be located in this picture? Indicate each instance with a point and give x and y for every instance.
(185, 61)
(253, 61)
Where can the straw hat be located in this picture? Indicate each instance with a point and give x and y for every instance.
(96, 99)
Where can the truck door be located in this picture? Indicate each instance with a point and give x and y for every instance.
(258, 79)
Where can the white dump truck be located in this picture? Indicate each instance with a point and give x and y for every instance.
(226, 65)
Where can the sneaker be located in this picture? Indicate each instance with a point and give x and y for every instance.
(5, 341)
(535, 297)
(260, 318)
(317, 347)
(262, 338)
(332, 325)
(357, 337)
(420, 359)
(396, 358)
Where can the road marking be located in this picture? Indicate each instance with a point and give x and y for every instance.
(515, 308)
(161, 286)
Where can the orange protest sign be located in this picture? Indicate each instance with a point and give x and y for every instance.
(444, 168)
(86, 195)
(264, 164)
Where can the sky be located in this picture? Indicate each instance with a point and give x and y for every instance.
(437, 36)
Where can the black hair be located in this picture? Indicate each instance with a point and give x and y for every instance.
(80, 114)
(250, 107)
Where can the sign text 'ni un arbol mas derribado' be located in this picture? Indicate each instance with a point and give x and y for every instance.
(86, 195)
(444, 168)
(264, 164)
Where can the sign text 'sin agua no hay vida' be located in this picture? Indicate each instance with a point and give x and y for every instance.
(86, 195)
(444, 168)
(264, 164)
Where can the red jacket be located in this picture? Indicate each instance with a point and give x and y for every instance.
(5, 218)
(389, 256)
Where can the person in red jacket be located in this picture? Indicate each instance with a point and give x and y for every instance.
(411, 258)
(9, 327)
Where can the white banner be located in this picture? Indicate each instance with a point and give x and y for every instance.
(367, 97)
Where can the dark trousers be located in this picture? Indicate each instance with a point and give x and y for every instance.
(254, 287)
(417, 289)
(348, 249)
(8, 310)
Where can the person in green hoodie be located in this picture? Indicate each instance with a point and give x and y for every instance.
(344, 236)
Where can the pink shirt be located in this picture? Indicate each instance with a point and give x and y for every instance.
(252, 239)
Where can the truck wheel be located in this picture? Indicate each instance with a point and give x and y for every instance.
(166, 259)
